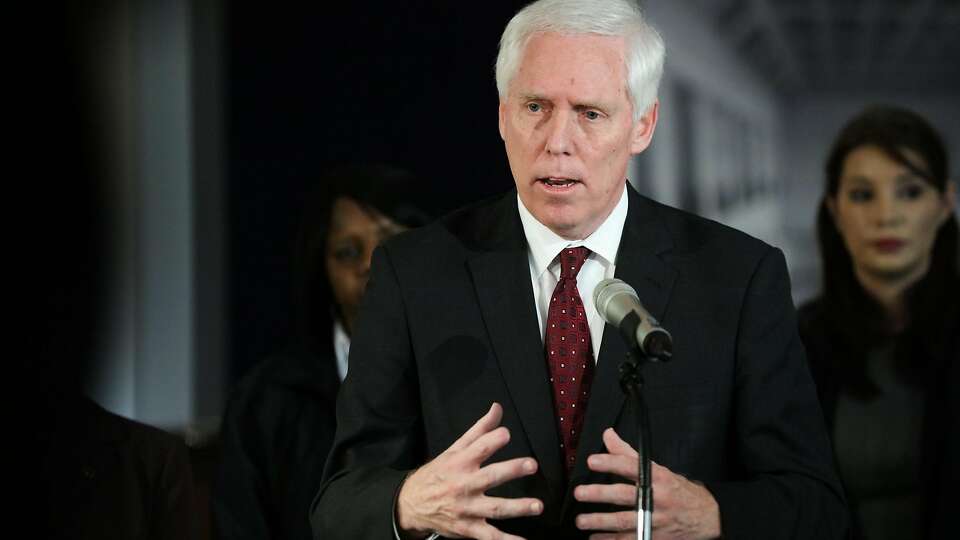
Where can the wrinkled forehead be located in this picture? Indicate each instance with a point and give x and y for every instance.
(558, 60)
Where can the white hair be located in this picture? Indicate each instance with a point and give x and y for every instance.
(619, 18)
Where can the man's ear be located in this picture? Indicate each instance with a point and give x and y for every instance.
(501, 113)
(643, 129)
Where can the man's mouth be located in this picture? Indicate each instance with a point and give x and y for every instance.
(558, 182)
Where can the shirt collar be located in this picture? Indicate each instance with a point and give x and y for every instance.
(341, 347)
(544, 244)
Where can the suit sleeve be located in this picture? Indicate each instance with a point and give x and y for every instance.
(789, 488)
(379, 430)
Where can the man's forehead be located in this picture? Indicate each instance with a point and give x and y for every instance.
(572, 58)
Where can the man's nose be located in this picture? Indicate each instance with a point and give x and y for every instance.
(559, 133)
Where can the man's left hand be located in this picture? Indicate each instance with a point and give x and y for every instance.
(682, 509)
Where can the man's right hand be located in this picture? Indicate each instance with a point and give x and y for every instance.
(447, 495)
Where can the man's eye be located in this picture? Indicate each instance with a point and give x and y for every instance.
(860, 195)
(592, 115)
(534, 107)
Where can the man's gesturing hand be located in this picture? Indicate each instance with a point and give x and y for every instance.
(681, 509)
(447, 494)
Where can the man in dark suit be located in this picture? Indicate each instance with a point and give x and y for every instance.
(489, 314)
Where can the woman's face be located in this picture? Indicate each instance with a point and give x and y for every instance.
(888, 216)
(354, 232)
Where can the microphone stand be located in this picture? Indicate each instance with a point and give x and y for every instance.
(631, 382)
(646, 342)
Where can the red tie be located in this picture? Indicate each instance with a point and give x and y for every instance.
(569, 354)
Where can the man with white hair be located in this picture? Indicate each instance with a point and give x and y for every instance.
(489, 314)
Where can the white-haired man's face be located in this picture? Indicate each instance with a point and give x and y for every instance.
(567, 124)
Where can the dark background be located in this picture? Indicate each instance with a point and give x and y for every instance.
(311, 86)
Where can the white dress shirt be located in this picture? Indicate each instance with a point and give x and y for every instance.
(543, 246)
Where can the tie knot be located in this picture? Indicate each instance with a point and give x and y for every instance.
(571, 260)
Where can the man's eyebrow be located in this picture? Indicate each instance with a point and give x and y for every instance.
(532, 97)
(587, 105)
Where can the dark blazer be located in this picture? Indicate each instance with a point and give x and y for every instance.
(276, 432)
(108, 477)
(448, 325)
(938, 351)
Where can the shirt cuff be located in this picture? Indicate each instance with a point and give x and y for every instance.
(396, 533)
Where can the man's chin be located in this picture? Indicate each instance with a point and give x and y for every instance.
(565, 218)
(565, 225)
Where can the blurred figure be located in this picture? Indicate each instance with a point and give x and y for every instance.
(101, 476)
(882, 338)
(280, 420)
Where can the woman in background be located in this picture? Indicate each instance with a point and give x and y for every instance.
(882, 338)
(280, 421)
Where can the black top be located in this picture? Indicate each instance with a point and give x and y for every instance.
(276, 434)
(892, 445)
(109, 477)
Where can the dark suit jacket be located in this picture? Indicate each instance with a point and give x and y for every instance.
(277, 430)
(448, 325)
(108, 477)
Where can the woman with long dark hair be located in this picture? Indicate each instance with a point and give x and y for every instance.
(882, 338)
(281, 419)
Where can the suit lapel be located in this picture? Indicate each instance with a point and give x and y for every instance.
(501, 276)
(639, 264)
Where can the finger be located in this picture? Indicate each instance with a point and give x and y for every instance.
(619, 494)
(623, 466)
(482, 530)
(498, 473)
(616, 445)
(613, 536)
(668, 486)
(484, 446)
(486, 423)
(500, 508)
(660, 473)
(608, 521)
(661, 517)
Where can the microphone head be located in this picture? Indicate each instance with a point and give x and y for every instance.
(619, 305)
(658, 345)
(603, 295)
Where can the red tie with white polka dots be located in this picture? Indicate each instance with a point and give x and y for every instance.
(569, 354)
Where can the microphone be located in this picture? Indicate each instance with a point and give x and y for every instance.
(620, 306)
